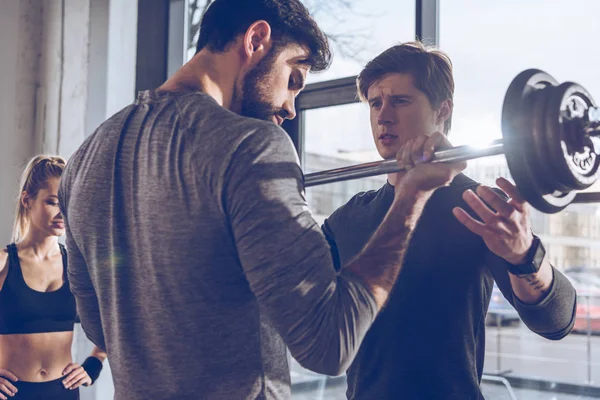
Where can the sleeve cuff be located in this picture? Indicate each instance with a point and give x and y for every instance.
(552, 317)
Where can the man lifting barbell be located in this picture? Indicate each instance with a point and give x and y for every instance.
(192, 254)
(429, 340)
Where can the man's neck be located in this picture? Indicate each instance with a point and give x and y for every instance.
(212, 73)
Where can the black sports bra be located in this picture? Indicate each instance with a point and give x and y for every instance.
(25, 310)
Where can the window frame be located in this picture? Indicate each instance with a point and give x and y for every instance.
(342, 91)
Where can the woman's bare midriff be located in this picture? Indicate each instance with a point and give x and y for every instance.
(36, 357)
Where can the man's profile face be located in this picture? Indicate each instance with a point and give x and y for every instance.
(398, 112)
(269, 90)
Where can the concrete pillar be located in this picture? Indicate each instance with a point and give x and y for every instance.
(122, 40)
(20, 36)
(66, 66)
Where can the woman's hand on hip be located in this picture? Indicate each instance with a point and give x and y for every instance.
(6, 386)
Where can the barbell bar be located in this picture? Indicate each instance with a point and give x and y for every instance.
(454, 154)
(550, 138)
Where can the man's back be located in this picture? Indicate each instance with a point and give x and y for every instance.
(147, 207)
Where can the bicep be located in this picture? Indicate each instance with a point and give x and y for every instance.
(282, 250)
(274, 232)
(321, 316)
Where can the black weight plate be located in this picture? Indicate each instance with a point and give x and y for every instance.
(519, 146)
(574, 159)
(539, 162)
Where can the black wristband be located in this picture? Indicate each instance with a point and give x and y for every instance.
(92, 366)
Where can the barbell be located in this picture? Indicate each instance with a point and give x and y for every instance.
(550, 138)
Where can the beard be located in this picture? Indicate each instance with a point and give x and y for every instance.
(255, 91)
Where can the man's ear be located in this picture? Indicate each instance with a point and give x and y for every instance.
(444, 111)
(257, 40)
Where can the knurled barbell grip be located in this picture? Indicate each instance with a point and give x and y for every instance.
(454, 154)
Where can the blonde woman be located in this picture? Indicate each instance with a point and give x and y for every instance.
(37, 309)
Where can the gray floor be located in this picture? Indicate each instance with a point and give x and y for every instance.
(496, 392)
(514, 350)
(490, 391)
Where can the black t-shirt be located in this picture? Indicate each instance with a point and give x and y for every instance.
(429, 340)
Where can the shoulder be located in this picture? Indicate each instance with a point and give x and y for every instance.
(357, 202)
(261, 142)
(203, 113)
(452, 195)
(208, 125)
(462, 183)
(3, 261)
(266, 135)
(3, 256)
(362, 199)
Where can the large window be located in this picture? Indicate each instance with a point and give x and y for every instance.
(361, 29)
(335, 137)
(357, 29)
(489, 43)
(341, 135)
(487, 53)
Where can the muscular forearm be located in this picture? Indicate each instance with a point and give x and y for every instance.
(531, 289)
(380, 261)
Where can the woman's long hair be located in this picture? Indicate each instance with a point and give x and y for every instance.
(34, 178)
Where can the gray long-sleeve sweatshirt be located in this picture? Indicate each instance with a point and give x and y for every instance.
(194, 258)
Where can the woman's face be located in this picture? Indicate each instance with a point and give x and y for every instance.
(43, 211)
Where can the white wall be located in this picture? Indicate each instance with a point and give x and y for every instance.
(20, 33)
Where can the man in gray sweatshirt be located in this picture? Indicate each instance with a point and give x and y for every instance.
(192, 253)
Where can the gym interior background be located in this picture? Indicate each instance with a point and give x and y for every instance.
(66, 65)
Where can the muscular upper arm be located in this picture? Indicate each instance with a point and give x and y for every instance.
(322, 316)
(3, 266)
